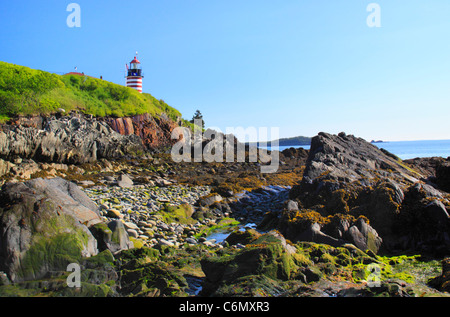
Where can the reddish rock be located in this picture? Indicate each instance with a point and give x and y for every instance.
(154, 132)
(123, 126)
(28, 122)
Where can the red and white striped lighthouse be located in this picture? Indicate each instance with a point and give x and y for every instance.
(134, 75)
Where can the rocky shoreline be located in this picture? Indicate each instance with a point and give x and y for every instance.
(138, 208)
(331, 222)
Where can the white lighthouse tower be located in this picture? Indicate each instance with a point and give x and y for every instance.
(135, 75)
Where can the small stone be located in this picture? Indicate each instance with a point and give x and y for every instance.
(166, 242)
(163, 226)
(4, 279)
(132, 233)
(114, 213)
(124, 181)
(103, 207)
(142, 223)
(292, 205)
(149, 233)
(130, 225)
(86, 183)
(191, 240)
(163, 182)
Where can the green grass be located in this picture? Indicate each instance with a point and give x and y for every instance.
(26, 91)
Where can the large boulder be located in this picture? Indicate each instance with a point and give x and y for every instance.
(44, 226)
(112, 236)
(363, 236)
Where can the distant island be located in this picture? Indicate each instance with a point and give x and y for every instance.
(294, 141)
(377, 141)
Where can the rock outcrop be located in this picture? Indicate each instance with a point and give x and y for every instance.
(346, 175)
(155, 132)
(76, 139)
(298, 155)
(347, 158)
(436, 171)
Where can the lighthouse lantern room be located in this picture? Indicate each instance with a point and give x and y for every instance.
(134, 75)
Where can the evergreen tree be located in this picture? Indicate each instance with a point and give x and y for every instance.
(198, 116)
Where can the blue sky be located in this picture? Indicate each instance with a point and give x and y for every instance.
(303, 66)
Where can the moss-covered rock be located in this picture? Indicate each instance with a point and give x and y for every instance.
(223, 224)
(39, 234)
(51, 254)
(149, 272)
(268, 256)
(266, 267)
(243, 236)
(178, 214)
(257, 286)
(98, 278)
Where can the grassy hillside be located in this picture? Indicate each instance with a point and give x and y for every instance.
(26, 91)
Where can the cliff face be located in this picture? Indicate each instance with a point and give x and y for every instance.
(75, 139)
(154, 132)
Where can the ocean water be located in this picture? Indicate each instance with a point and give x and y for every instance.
(412, 149)
(406, 149)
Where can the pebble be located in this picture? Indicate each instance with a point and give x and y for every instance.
(166, 242)
(114, 213)
(191, 240)
(133, 233)
(130, 225)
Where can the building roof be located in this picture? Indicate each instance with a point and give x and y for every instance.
(78, 74)
(135, 61)
(75, 73)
